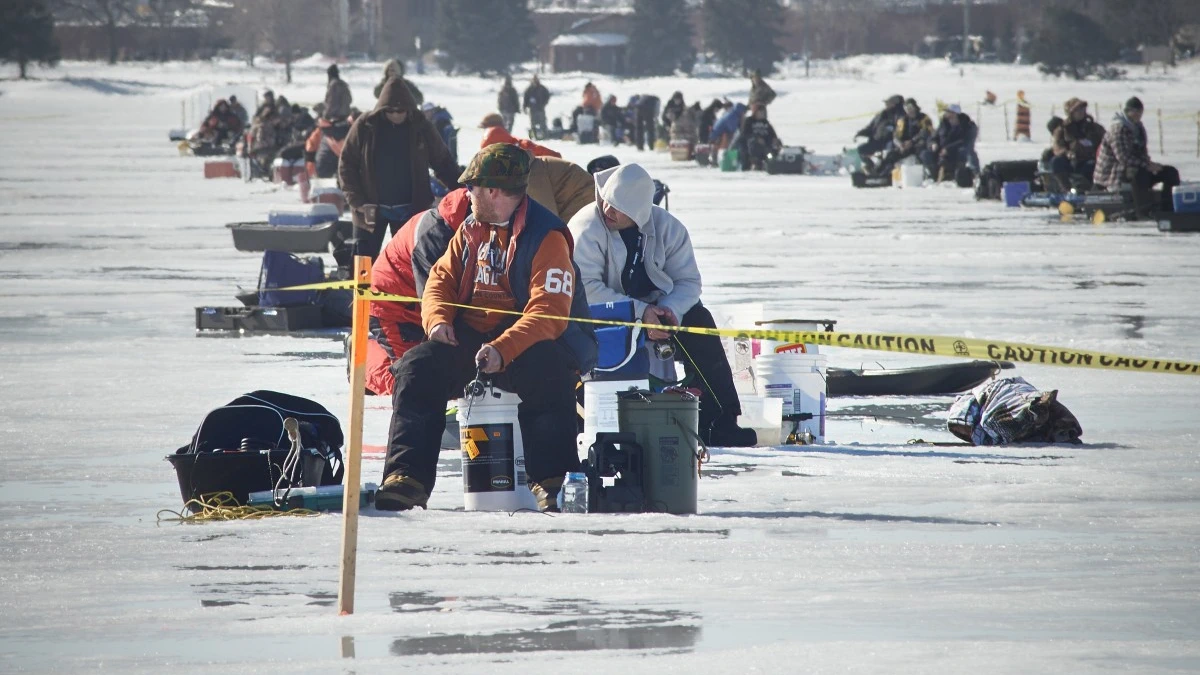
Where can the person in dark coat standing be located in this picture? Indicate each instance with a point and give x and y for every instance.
(760, 91)
(384, 169)
(612, 118)
(645, 128)
(395, 68)
(673, 110)
(508, 103)
(337, 96)
(537, 96)
(708, 117)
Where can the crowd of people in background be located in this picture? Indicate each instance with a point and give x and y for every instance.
(1083, 153)
(902, 130)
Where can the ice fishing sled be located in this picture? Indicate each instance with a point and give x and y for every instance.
(949, 378)
(270, 310)
(309, 228)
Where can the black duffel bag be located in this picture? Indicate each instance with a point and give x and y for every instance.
(243, 447)
(993, 177)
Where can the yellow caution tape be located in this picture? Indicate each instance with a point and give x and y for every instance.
(844, 119)
(931, 345)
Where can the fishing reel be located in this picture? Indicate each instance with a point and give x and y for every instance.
(477, 388)
(664, 351)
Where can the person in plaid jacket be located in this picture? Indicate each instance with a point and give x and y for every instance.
(1124, 157)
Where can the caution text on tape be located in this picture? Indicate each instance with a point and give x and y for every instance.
(931, 345)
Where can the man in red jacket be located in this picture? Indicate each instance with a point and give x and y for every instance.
(402, 269)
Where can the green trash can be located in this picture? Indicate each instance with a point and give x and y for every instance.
(665, 425)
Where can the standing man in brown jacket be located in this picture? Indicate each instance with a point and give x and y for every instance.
(384, 169)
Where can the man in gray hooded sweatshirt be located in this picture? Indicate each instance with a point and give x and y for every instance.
(629, 249)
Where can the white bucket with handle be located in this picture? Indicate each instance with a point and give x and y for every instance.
(798, 379)
(493, 456)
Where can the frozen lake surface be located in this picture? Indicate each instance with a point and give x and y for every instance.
(862, 555)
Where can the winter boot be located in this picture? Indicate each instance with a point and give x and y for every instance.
(546, 492)
(726, 433)
(400, 493)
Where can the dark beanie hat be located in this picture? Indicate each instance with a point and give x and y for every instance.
(332, 71)
(1134, 103)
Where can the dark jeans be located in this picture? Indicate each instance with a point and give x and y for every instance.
(943, 167)
(1063, 166)
(708, 370)
(432, 373)
(755, 154)
(1143, 180)
(645, 129)
(537, 120)
(369, 243)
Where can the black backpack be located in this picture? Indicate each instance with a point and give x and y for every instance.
(993, 177)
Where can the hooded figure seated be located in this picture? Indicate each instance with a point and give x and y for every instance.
(953, 146)
(627, 248)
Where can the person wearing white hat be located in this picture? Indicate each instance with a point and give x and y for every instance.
(953, 145)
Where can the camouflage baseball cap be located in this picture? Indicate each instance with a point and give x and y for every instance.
(499, 165)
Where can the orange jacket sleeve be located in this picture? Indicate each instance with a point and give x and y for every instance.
(442, 287)
(551, 286)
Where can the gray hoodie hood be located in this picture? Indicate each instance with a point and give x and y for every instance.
(667, 252)
(629, 189)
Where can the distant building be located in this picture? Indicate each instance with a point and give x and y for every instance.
(560, 39)
(141, 34)
(591, 52)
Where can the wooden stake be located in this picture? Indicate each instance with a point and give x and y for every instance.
(1006, 134)
(358, 380)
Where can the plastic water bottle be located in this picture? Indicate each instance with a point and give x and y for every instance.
(575, 493)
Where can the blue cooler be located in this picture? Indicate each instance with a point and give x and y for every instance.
(1186, 198)
(621, 354)
(1014, 191)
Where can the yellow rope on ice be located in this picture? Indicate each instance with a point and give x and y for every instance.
(223, 506)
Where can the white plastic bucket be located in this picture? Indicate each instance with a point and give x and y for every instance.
(600, 408)
(764, 416)
(783, 347)
(798, 379)
(912, 175)
(493, 456)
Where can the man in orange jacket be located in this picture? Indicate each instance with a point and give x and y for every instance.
(510, 254)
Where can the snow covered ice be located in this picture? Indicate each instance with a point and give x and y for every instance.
(862, 555)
